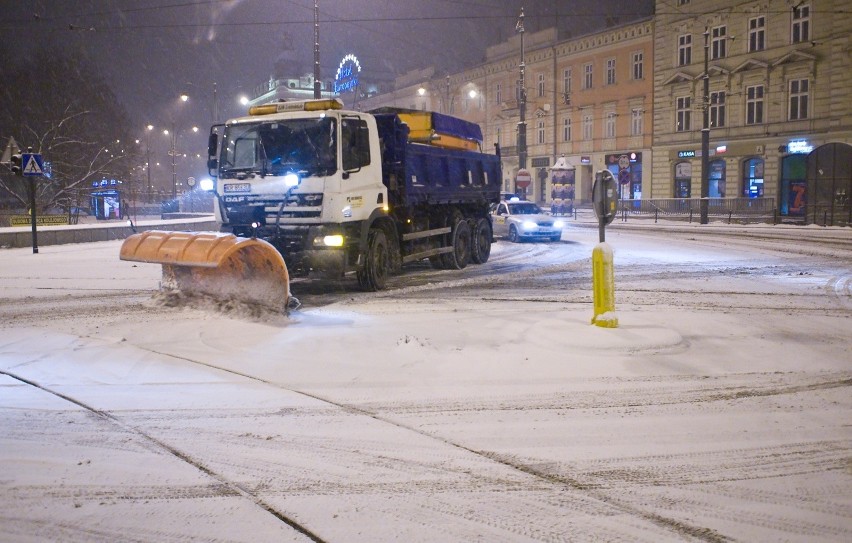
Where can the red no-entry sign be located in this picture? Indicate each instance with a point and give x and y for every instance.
(523, 178)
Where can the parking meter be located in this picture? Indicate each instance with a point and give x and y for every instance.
(605, 199)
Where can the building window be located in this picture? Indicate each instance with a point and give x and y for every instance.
(683, 180)
(716, 181)
(801, 28)
(753, 178)
(754, 104)
(717, 109)
(566, 81)
(610, 71)
(636, 121)
(684, 114)
(498, 93)
(682, 2)
(684, 49)
(566, 129)
(638, 65)
(609, 124)
(540, 130)
(799, 91)
(540, 85)
(587, 76)
(719, 42)
(588, 128)
(757, 34)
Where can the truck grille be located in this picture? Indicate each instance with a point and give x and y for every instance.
(295, 208)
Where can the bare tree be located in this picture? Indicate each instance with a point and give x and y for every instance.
(68, 114)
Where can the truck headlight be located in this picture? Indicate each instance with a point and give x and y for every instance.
(335, 240)
(291, 179)
(206, 184)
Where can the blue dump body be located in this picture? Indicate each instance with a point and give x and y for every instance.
(419, 174)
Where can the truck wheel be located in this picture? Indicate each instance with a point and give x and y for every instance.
(374, 274)
(513, 234)
(460, 256)
(481, 249)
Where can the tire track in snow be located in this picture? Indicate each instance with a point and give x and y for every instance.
(232, 486)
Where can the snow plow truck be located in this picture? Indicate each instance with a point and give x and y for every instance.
(336, 193)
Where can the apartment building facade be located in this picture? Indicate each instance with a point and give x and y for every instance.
(779, 106)
(589, 105)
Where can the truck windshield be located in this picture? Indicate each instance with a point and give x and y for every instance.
(304, 146)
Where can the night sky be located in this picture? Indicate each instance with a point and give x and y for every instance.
(151, 51)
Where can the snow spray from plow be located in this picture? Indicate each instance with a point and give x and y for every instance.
(223, 266)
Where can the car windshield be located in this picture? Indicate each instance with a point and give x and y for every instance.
(526, 208)
(305, 146)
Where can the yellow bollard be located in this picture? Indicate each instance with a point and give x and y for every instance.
(603, 286)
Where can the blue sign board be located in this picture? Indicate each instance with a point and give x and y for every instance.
(32, 164)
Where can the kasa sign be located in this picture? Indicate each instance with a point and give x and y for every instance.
(347, 74)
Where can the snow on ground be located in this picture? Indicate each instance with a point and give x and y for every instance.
(474, 408)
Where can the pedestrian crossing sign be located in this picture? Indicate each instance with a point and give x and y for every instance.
(32, 164)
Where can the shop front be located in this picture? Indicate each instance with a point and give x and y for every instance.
(732, 171)
(829, 185)
(626, 168)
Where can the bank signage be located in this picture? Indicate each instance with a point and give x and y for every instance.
(689, 153)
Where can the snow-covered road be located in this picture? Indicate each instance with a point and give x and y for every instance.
(477, 405)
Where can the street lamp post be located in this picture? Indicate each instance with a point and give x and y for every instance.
(522, 99)
(317, 86)
(447, 100)
(173, 154)
(148, 157)
(704, 204)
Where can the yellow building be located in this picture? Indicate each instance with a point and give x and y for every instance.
(779, 106)
(588, 99)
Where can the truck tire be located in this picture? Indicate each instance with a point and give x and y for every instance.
(460, 256)
(481, 246)
(374, 274)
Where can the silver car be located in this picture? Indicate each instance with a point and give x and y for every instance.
(519, 220)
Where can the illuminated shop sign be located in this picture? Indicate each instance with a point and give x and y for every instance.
(721, 149)
(799, 147)
(347, 74)
(686, 154)
(585, 160)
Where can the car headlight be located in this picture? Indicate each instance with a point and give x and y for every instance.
(529, 225)
(558, 224)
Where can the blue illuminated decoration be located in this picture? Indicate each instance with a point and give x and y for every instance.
(347, 74)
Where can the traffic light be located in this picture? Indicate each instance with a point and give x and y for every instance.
(17, 164)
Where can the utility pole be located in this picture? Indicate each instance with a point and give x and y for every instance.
(704, 204)
(317, 86)
(215, 104)
(522, 98)
(447, 101)
(173, 152)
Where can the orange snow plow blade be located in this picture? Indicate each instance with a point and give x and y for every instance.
(223, 266)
